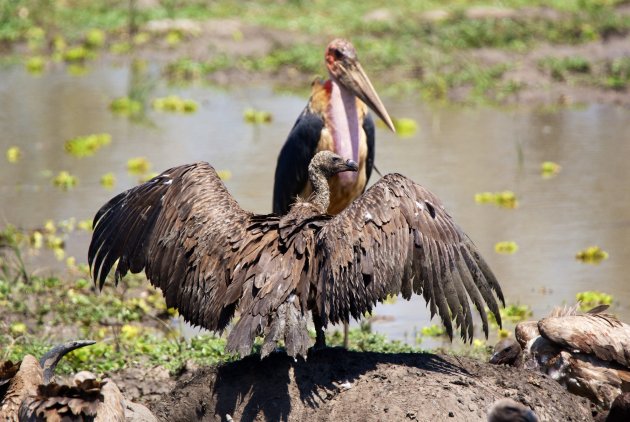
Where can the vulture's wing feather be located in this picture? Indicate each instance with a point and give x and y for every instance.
(397, 238)
(184, 229)
(600, 334)
(292, 167)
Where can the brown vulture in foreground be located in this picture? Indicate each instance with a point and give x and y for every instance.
(588, 353)
(212, 258)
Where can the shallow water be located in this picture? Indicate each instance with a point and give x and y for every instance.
(457, 152)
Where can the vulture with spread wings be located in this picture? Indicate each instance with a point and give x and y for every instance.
(211, 258)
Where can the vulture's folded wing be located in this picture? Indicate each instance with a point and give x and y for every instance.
(599, 334)
(397, 238)
(184, 229)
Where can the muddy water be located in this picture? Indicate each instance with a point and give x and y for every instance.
(457, 152)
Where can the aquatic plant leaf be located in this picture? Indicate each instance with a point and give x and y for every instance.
(433, 330)
(506, 247)
(35, 65)
(108, 180)
(592, 255)
(13, 154)
(64, 180)
(173, 103)
(86, 146)
(549, 169)
(95, 38)
(504, 199)
(138, 165)
(251, 115)
(405, 127)
(592, 298)
(125, 106)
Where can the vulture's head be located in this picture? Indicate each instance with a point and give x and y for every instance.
(327, 163)
(344, 68)
(507, 410)
(506, 352)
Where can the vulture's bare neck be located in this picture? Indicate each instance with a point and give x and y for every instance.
(321, 191)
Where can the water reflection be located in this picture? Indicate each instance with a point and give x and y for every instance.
(457, 152)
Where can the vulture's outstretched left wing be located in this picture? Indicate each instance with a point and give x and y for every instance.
(397, 238)
(185, 229)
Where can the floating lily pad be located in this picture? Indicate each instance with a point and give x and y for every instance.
(77, 54)
(433, 331)
(13, 154)
(86, 146)
(505, 199)
(138, 165)
(592, 298)
(35, 64)
(224, 174)
(64, 180)
(175, 104)
(405, 127)
(592, 255)
(549, 169)
(125, 106)
(95, 38)
(251, 115)
(108, 180)
(506, 247)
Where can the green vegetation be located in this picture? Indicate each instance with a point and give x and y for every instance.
(126, 106)
(590, 299)
(511, 314)
(592, 255)
(425, 44)
(506, 247)
(174, 103)
(64, 180)
(13, 154)
(549, 169)
(86, 146)
(505, 199)
(251, 115)
(138, 166)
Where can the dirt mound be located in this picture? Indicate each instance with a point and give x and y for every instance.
(339, 385)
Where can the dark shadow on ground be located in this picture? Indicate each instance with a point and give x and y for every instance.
(252, 387)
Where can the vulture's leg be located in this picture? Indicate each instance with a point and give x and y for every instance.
(320, 337)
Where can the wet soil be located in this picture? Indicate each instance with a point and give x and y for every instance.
(335, 384)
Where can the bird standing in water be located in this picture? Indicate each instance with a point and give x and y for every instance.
(335, 119)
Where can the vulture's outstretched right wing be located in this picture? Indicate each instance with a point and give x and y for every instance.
(397, 238)
(185, 229)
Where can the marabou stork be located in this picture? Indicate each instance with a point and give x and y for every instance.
(588, 353)
(210, 257)
(335, 119)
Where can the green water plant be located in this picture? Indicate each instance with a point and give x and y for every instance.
(174, 103)
(88, 145)
(504, 199)
(592, 255)
(592, 298)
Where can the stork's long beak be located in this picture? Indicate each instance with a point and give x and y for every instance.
(353, 78)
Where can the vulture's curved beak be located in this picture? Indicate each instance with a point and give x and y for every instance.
(351, 165)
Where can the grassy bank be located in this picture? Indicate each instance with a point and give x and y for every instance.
(438, 49)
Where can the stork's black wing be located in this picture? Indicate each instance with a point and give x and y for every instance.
(397, 238)
(292, 166)
(368, 127)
